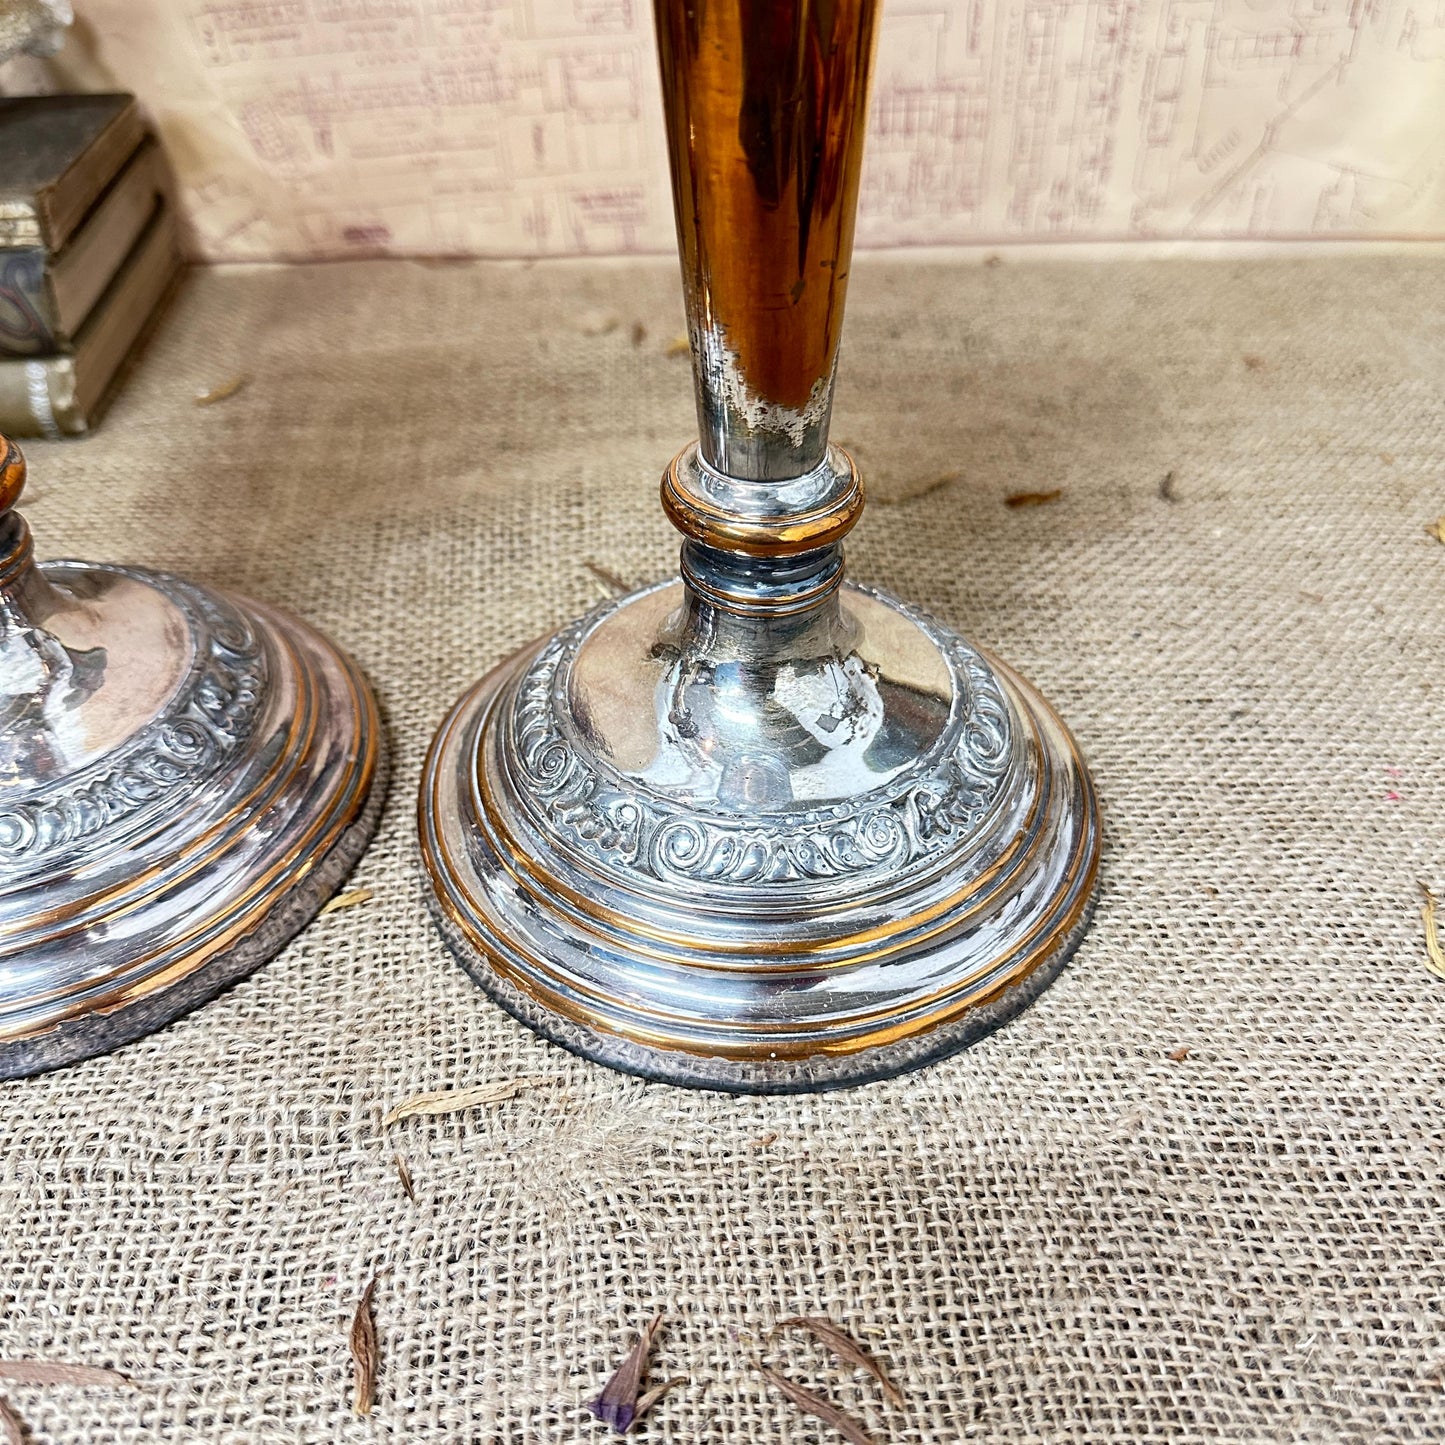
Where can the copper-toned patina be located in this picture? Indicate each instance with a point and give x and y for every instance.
(760, 829)
(766, 106)
(185, 776)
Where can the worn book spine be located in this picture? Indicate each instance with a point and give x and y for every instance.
(28, 322)
(57, 154)
(19, 224)
(45, 296)
(37, 398)
(63, 395)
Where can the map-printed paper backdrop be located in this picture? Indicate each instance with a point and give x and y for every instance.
(305, 128)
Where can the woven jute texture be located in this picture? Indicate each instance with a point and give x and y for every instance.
(1074, 1231)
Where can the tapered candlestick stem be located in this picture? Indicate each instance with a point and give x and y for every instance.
(766, 102)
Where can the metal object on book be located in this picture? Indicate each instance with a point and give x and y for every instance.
(759, 829)
(185, 777)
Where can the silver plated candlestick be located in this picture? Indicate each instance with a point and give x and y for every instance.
(760, 829)
(185, 777)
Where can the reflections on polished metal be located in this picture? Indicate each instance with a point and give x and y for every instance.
(760, 868)
(757, 829)
(765, 103)
(184, 778)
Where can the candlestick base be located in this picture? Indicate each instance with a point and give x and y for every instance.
(184, 779)
(763, 853)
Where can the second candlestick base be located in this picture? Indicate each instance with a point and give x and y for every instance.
(764, 865)
(185, 778)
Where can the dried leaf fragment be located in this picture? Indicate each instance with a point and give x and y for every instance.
(616, 585)
(647, 1401)
(844, 1346)
(14, 1425)
(453, 1101)
(404, 1174)
(224, 389)
(1436, 529)
(639, 333)
(678, 346)
(364, 1352)
(817, 1406)
(618, 1404)
(1433, 947)
(57, 1372)
(1032, 499)
(349, 899)
(1177, 1056)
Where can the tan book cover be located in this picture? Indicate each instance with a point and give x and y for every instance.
(57, 396)
(57, 154)
(46, 297)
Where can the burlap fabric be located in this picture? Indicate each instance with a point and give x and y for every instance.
(1064, 1234)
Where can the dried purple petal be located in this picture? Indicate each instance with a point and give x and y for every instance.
(617, 1404)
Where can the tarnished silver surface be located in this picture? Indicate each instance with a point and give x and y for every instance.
(184, 778)
(757, 830)
(778, 870)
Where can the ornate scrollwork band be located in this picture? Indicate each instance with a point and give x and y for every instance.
(616, 822)
(207, 723)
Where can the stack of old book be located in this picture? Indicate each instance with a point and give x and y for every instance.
(88, 254)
